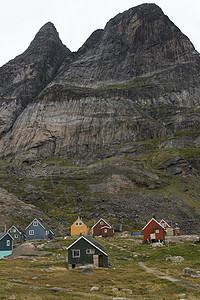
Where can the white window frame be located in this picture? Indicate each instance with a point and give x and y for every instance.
(157, 230)
(31, 232)
(16, 236)
(76, 224)
(90, 251)
(77, 255)
(8, 243)
(35, 223)
(105, 230)
(101, 223)
(80, 224)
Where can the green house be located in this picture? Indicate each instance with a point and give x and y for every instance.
(86, 251)
(17, 234)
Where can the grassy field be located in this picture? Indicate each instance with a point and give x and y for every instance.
(40, 277)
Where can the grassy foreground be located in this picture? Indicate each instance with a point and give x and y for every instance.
(40, 277)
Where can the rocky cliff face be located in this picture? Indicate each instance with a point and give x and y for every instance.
(24, 77)
(120, 117)
(54, 102)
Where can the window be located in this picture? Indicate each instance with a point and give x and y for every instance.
(157, 230)
(35, 223)
(105, 230)
(75, 253)
(90, 251)
(31, 232)
(8, 243)
(80, 223)
(13, 230)
(76, 223)
(101, 223)
(16, 236)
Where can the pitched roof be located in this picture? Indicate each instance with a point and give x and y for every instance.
(117, 227)
(103, 221)
(80, 220)
(43, 224)
(165, 223)
(2, 234)
(18, 229)
(92, 242)
(152, 219)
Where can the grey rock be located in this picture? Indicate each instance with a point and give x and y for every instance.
(176, 259)
(190, 272)
(94, 288)
(87, 270)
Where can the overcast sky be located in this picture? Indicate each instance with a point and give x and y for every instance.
(75, 20)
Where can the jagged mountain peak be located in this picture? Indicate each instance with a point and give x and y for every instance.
(139, 41)
(45, 35)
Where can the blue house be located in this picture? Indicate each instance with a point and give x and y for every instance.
(6, 244)
(38, 230)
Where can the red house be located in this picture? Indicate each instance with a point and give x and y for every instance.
(102, 228)
(153, 231)
(177, 230)
(164, 224)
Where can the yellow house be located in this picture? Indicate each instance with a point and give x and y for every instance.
(79, 227)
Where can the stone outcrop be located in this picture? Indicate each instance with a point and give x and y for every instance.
(12, 208)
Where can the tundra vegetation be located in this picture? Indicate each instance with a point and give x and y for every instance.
(47, 277)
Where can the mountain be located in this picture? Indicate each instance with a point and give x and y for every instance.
(127, 102)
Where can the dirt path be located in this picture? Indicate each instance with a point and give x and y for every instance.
(186, 283)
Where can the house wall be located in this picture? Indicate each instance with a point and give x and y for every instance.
(164, 224)
(79, 229)
(107, 231)
(16, 235)
(39, 232)
(98, 231)
(4, 249)
(84, 258)
(5, 253)
(150, 228)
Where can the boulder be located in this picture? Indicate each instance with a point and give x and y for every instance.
(176, 259)
(190, 272)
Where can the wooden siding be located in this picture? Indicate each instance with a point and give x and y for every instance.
(3, 243)
(39, 232)
(153, 227)
(102, 228)
(85, 259)
(16, 235)
(79, 229)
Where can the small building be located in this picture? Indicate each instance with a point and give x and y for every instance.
(102, 228)
(17, 234)
(164, 224)
(177, 230)
(168, 229)
(86, 251)
(79, 227)
(38, 230)
(153, 231)
(118, 229)
(6, 244)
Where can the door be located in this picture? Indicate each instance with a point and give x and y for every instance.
(100, 260)
(96, 260)
(152, 236)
